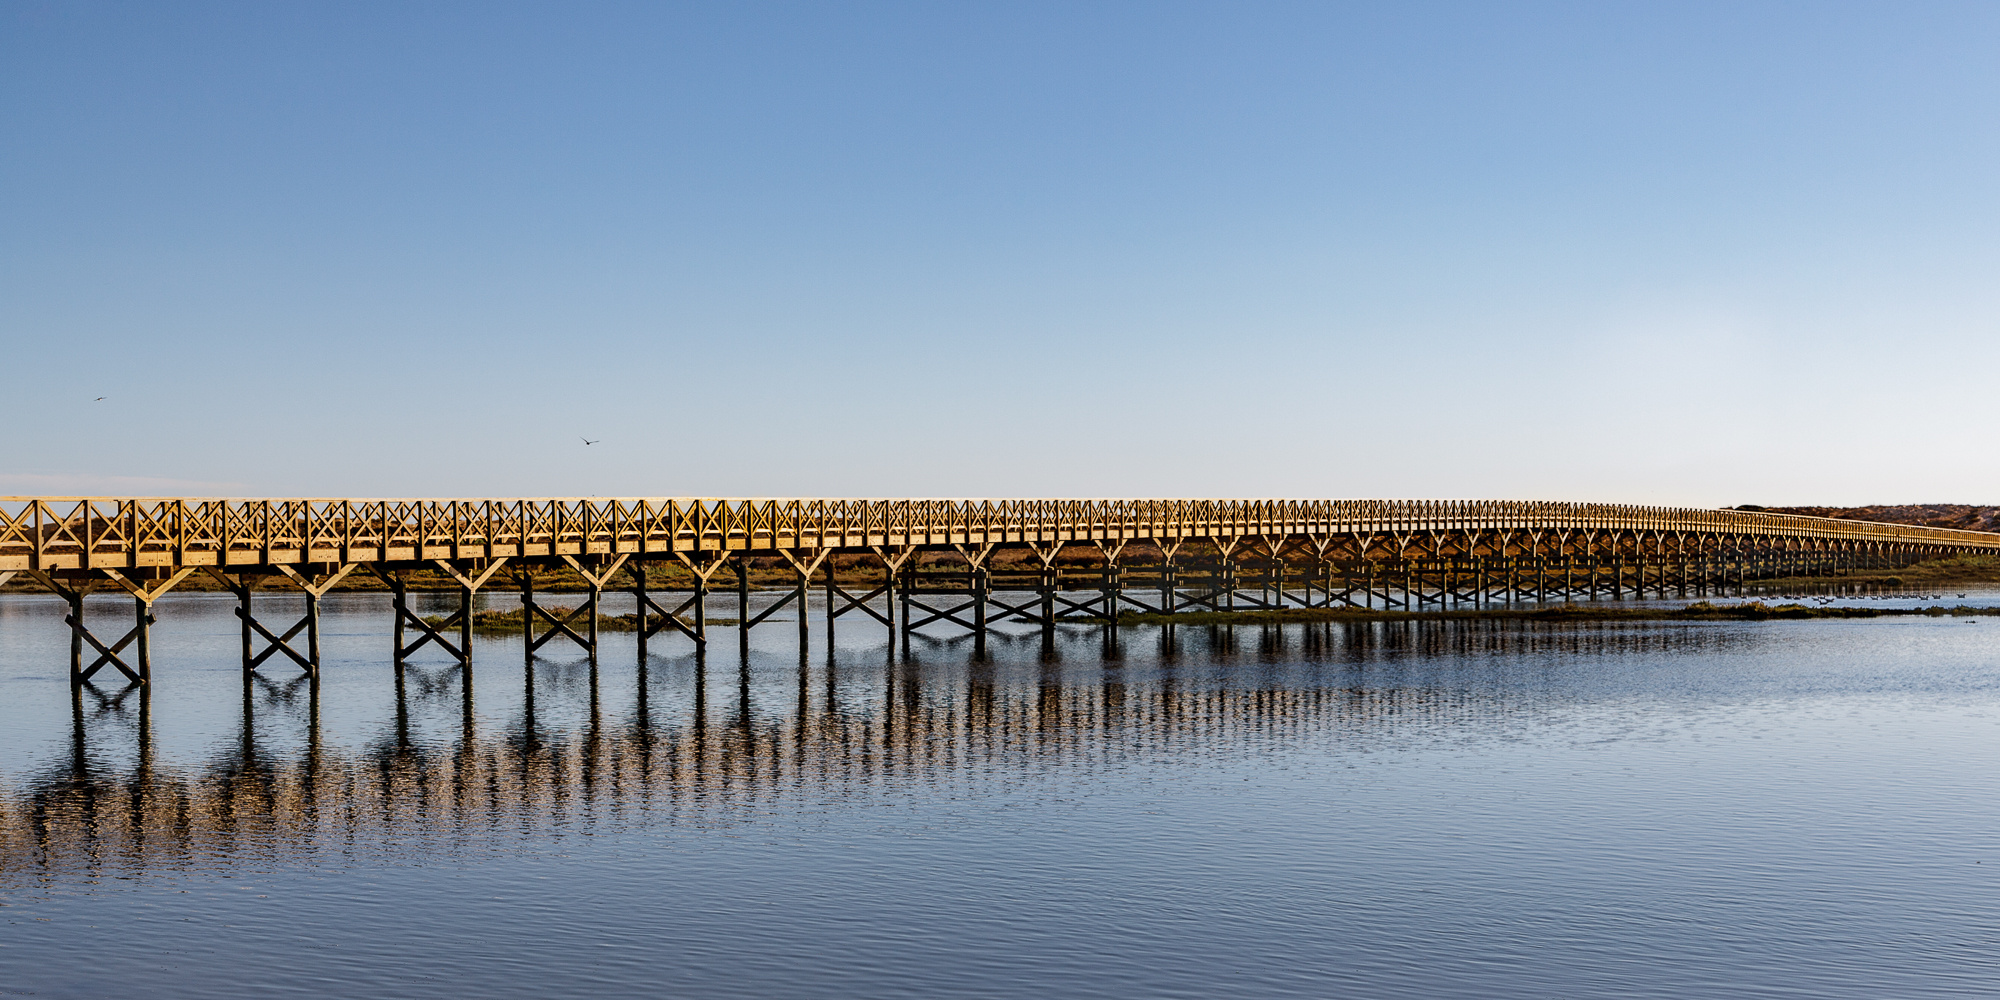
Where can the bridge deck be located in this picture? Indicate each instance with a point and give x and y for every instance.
(82, 533)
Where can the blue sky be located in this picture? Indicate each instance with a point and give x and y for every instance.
(1659, 253)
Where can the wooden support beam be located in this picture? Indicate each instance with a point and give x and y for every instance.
(139, 590)
(648, 609)
(702, 570)
(320, 588)
(474, 583)
(405, 617)
(81, 636)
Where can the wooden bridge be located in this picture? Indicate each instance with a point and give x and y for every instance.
(956, 563)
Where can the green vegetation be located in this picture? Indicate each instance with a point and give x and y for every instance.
(1698, 611)
(1951, 571)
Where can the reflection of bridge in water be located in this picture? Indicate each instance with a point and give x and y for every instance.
(910, 563)
(696, 741)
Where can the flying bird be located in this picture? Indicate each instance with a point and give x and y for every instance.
(100, 399)
(588, 441)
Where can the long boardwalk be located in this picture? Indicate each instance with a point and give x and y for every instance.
(964, 563)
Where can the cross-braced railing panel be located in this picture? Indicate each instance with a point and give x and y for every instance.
(109, 533)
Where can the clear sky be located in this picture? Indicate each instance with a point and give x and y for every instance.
(1649, 252)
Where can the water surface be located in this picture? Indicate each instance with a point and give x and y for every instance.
(1781, 809)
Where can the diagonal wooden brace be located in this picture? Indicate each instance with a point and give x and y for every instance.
(894, 560)
(1024, 612)
(790, 596)
(943, 614)
(559, 626)
(277, 643)
(432, 634)
(471, 583)
(1048, 558)
(852, 603)
(703, 571)
(806, 567)
(81, 636)
(975, 556)
(140, 591)
(320, 589)
(601, 579)
(109, 654)
(650, 609)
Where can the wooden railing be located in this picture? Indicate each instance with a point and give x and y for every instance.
(80, 533)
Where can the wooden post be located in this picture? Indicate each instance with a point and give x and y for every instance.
(889, 601)
(465, 624)
(743, 601)
(831, 606)
(527, 581)
(979, 586)
(312, 631)
(595, 591)
(909, 584)
(243, 595)
(75, 598)
(701, 610)
(804, 609)
(638, 571)
(1049, 581)
(401, 600)
(144, 618)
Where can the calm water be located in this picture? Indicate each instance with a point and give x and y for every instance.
(1780, 809)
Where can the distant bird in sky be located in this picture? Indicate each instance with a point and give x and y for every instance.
(100, 399)
(588, 441)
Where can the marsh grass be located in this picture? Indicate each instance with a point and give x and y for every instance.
(1698, 611)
